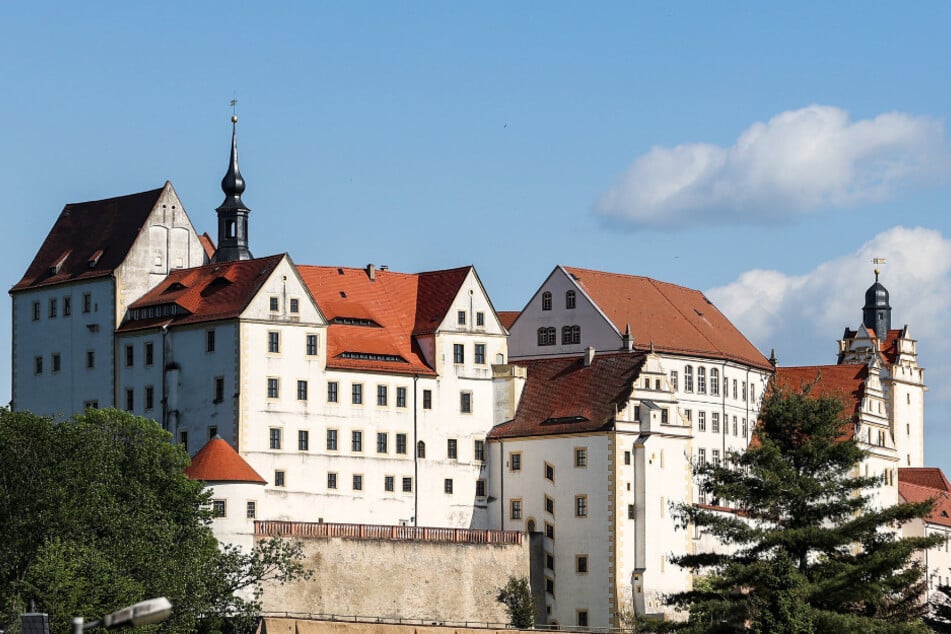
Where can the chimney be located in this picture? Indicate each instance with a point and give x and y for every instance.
(371, 272)
(588, 356)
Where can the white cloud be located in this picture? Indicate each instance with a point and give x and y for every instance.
(802, 316)
(795, 163)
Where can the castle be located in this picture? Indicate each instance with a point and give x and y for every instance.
(342, 395)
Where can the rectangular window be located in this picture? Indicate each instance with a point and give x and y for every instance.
(295, 305)
(331, 480)
(549, 561)
(480, 488)
(356, 441)
(218, 508)
(702, 420)
(549, 505)
(716, 457)
(549, 472)
(278, 478)
(701, 457)
(744, 390)
(549, 586)
(701, 380)
(149, 353)
(95, 405)
(715, 422)
(478, 450)
(52, 307)
(275, 436)
(401, 443)
(183, 440)
(581, 457)
(480, 319)
(303, 440)
(36, 311)
(331, 440)
(274, 304)
(209, 341)
(688, 414)
(332, 392)
(664, 416)
(401, 397)
(458, 353)
(357, 482)
(465, 402)
(582, 618)
(581, 564)
(87, 302)
(734, 422)
(311, 345)
(673, 380)
(745, 428)
(129, 356)
(90, 358)
(734, 388)
(427, 399)
(252, 509)
(515, 509)
(630, 511)
(389, 483)
(381, 395)
(688, 378)
(273, 341)
(451, 449)
(461, 317)
(734, 426)
(212, 432)
(549, 531)
(219, 389)
(302, 390)
(407, 485)
(356, 394)
(480, 353)
(447, 485)
(581, 506)
(129, 399)
(38, 365)
(382, 440)
(515, 461)
(67, 306)
(273, 388)
(149, 397)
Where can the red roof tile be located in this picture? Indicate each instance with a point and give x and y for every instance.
(563, 396)
(99, 232)
(373, 321)
(675, 319)
(888, 349)
(508, 317)
(940, 513)
(207, 245)
(217, 461)
(205, 293)
(931, 477)
(845, 381)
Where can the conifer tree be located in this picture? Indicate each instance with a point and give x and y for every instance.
(804, 549)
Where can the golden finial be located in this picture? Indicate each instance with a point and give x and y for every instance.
(234, 115)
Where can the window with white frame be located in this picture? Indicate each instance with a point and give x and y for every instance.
(688, 378)
(701, 380)
(569, 299)
(546, 301)
(273, 341)
(714, 382)
(702, 420)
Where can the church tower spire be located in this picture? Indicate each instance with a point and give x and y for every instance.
(232, 214)
(877, 314)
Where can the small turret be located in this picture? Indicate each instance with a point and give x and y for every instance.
(877, 314)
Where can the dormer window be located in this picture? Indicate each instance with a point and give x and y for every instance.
(546, 301)
(569, 300)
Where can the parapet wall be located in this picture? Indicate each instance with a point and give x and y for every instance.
(271, 625)
(398, 572)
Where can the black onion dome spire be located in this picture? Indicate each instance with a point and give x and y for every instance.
(877, 313)
(232, 213)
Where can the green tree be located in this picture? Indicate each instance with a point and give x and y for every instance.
(519, 602)
(96, 514)
(805, 550)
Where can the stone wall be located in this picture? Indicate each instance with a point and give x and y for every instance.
(300, 626)
(399, 572)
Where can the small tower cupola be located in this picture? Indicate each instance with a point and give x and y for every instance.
(877, 314)
(232, 214)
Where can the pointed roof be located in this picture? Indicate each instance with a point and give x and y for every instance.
(217, 461)
(888, 349)
(920, 484)
(675, 319)
(563, 395)
(205, 293)
(374, 315)
(508, 317)
(90, 239)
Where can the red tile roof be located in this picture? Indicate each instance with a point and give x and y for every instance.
(675, 319)
(888, 348)
(89, 239)
(931, 477)
(207, 245)
(217, 461)
(846, 381)
(377, 319)
(563, 396)
(205, 293)
(508, 317)
(940, 512)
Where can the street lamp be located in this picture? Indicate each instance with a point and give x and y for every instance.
(142, 613)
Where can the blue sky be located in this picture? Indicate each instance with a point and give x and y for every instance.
(762, 154)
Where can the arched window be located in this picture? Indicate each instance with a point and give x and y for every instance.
(688, 378)
(530, 527)
(701, 380)
(420, 449)
(565, 335)
(546, 336)
(569, 299)
(576, 334)
(546, 301)
(714, 382)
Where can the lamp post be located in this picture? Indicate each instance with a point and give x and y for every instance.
(142, 613)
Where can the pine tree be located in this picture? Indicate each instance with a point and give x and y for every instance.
(804, 550)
